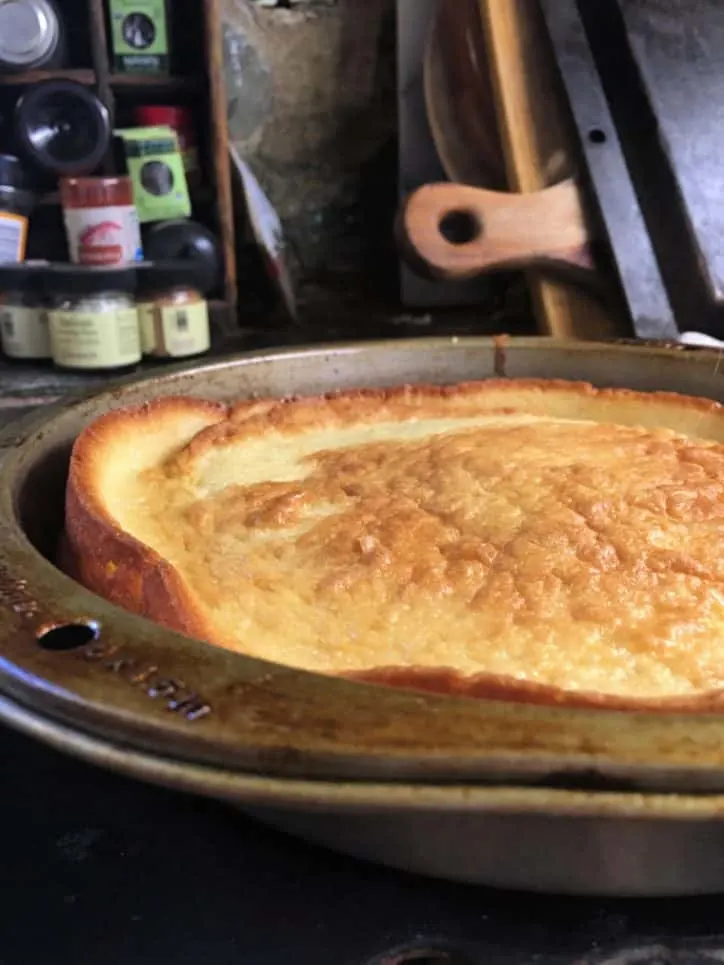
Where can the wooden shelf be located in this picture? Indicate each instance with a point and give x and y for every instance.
(202, 93)
(160, 82)
(36, 76)
(155, 82)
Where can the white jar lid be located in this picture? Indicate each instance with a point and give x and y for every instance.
(28, 31)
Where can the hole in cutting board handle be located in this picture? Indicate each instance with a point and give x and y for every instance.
(597, 136)
(67, 636)
(460, 227)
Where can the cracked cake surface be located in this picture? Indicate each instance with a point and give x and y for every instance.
(529, 539)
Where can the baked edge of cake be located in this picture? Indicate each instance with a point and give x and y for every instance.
(112, 563)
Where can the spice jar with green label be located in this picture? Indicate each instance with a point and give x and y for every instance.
(93, 321)
(140, 36)
(23, 317)
(172, 310)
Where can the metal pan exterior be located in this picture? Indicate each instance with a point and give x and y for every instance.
(160, 693)
(536, 839)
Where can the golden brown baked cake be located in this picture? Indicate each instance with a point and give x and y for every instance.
(535, 540)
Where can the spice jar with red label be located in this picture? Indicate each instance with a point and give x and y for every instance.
(100, 220)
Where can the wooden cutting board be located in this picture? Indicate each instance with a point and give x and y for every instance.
(459, 100)
(539, 146)
(456, 231)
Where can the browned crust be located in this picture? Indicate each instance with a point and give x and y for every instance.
(143, 582)
(447, 681)
(294, 413)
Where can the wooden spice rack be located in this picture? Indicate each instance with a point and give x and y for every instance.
(196, 45)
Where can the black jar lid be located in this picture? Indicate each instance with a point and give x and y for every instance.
(154, 277)
(86, 280)
(14, 194)
(22, 277)
(62, 128)
(187, 241)
(16, 201)
(12, 173)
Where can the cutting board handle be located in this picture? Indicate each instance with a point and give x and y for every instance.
(456, 231)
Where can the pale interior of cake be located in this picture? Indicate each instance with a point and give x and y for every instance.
(562, 550)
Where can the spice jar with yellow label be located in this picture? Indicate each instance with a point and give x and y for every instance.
(93, 321)
(173, 313)
(23, 316)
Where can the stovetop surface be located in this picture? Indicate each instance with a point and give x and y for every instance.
(95, 868)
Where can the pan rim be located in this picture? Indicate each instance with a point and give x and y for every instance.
(259, 789)
(688, 754)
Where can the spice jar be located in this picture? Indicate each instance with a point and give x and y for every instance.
(93, 320)
(172, 311)
(31, 35)
(101, 220)
(62, 129)
(180, 120)
(16, 203)
(23, 316)
(140, 35)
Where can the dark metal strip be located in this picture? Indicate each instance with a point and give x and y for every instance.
(621, 216)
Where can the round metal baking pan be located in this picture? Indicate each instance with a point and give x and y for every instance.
(184, 713)
(542, 839)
